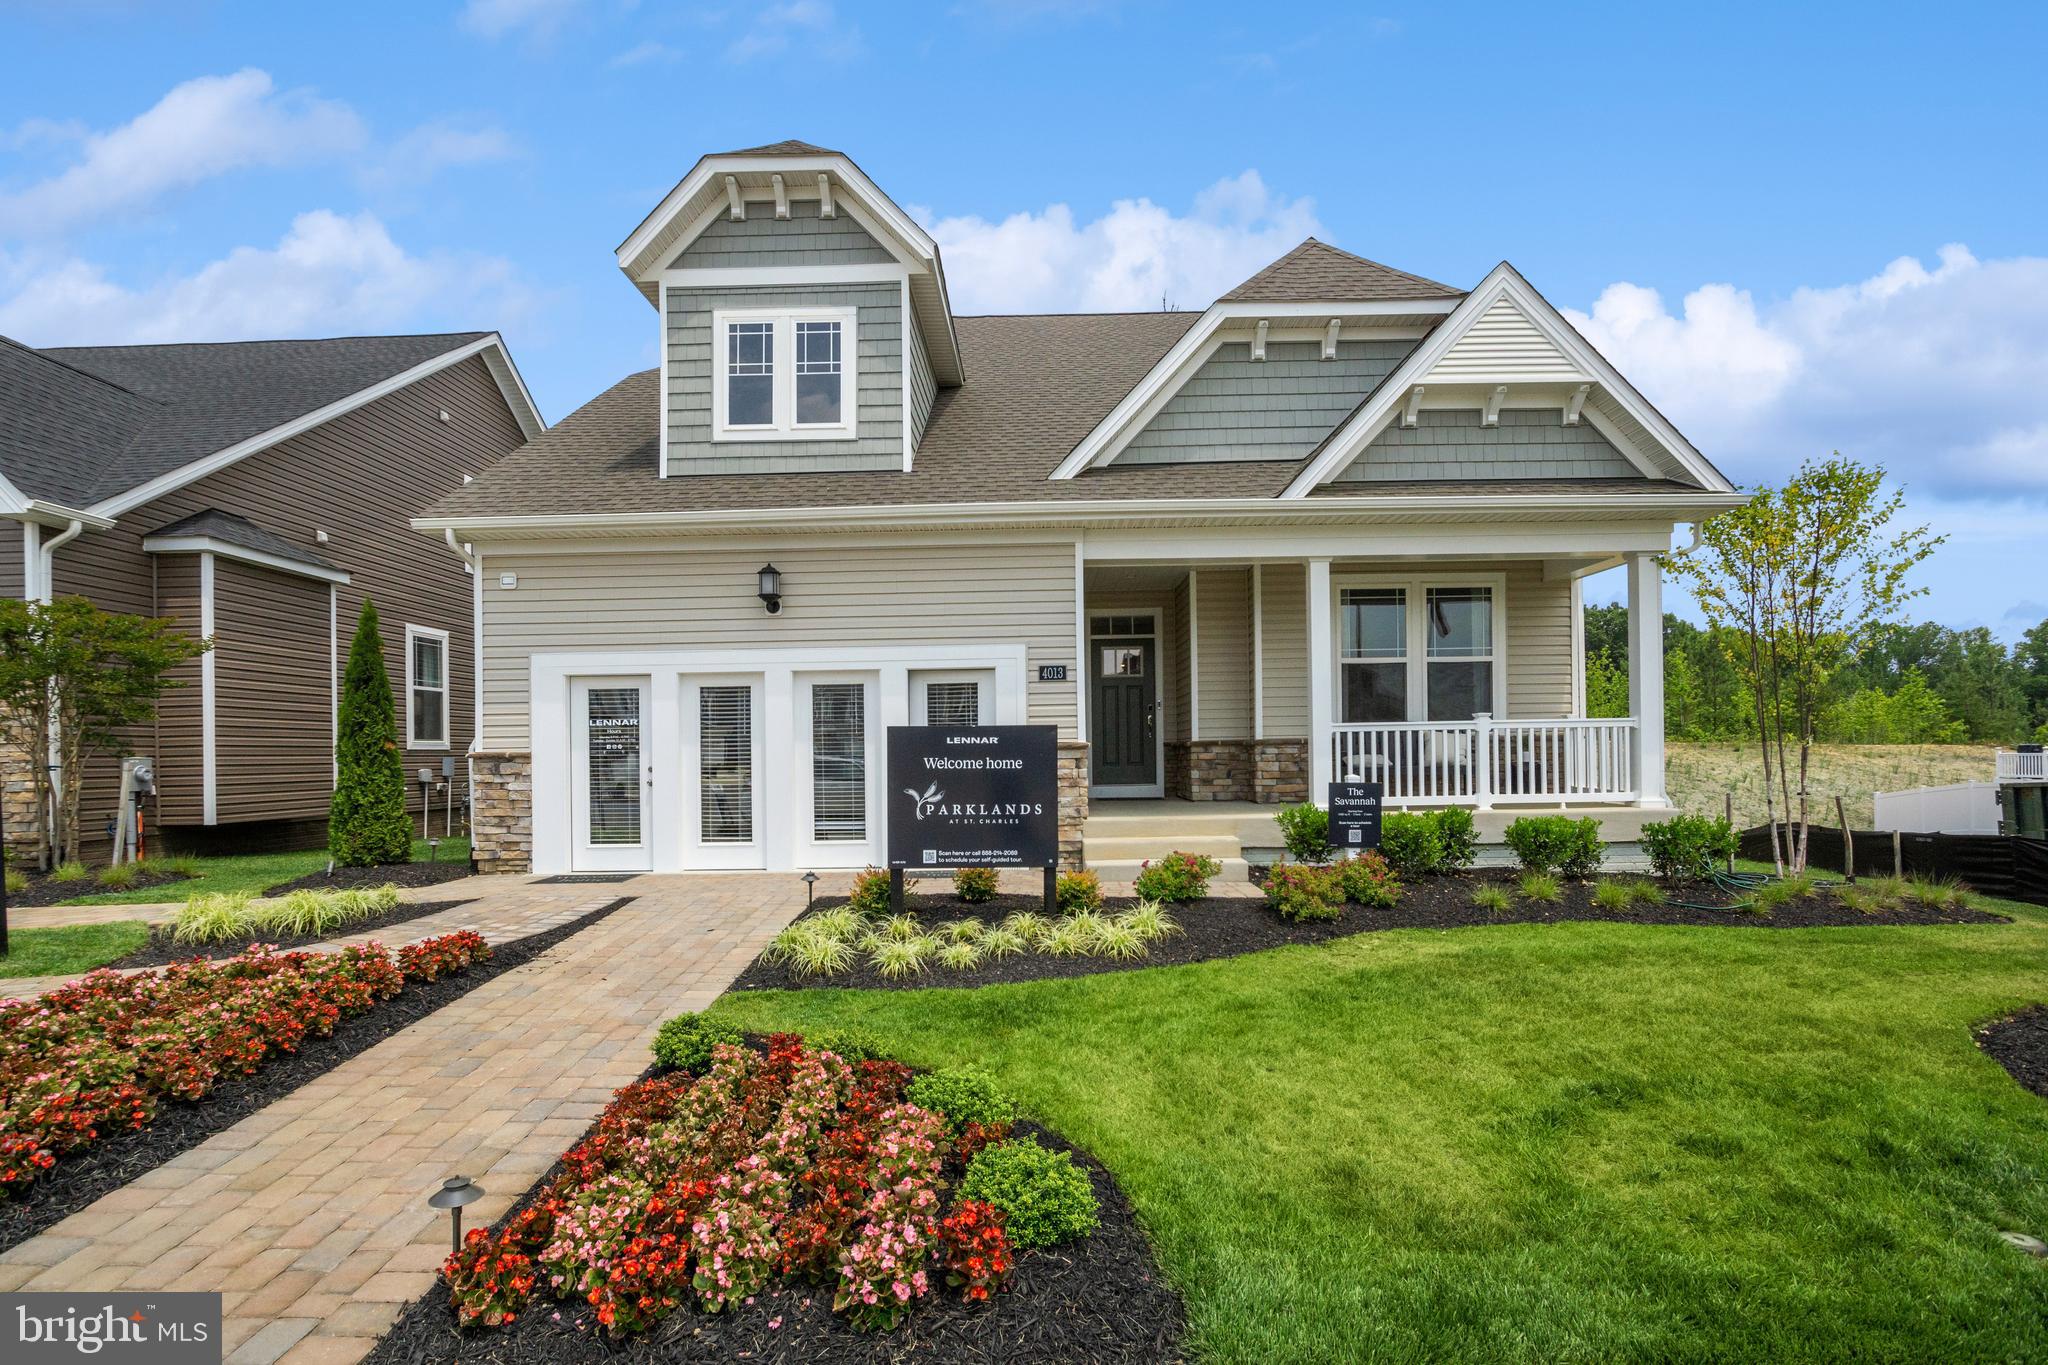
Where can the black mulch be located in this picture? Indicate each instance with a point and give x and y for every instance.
(1101, 1299)
(390, 874)
(47, 890)
(1227, 928)
(161, 949)
(2020, 1045)
(107, 1165)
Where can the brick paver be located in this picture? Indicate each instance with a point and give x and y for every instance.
(310, 1215)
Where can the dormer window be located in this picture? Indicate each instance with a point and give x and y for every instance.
(782, 374)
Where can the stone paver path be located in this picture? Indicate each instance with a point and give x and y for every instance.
(310, 1215)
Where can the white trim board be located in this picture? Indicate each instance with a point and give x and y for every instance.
(412, 739)
(241, 554)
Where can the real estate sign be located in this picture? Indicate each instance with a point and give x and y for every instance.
(1355, 815)
(973, 796)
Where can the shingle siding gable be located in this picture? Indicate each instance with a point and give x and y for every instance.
(1451, 443)
(802, 239)
(1237, 408)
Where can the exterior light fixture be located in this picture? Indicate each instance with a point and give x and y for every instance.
(771, 588)
(455, 1191)
(810, 888)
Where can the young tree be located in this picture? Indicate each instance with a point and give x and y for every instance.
(1800, 573)
(366, 822)
(71, 678)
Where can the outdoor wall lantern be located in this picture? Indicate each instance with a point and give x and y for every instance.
(771, 588)
(455, 1191)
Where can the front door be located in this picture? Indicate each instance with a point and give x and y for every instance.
(612, 775)
(1124, 694)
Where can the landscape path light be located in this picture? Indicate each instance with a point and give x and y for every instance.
(455, 1191)
(810, 888)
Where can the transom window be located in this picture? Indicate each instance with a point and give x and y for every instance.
(1416, 652)
(782, 374)
(426, 687)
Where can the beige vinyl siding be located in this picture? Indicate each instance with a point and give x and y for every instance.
(1223, 621)
(1502, 343)
(273, 734)
(1166, 645)
(1539, 635)
(1283, 628)
(803, 239)
(703, 597)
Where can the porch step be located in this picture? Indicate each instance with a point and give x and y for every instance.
(1138, 847)
(1124, 869)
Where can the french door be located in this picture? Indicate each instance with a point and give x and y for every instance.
(838, 760)
(611, 775)
(722, 772)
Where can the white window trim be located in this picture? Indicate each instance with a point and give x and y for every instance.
(412, 739)
(1417, 587)
(785, 427)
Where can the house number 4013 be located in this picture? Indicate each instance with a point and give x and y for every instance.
(1052, 672)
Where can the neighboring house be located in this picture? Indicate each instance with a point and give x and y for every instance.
(257, 492)
(1333, 525)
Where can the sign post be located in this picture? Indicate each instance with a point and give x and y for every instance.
(1355, 815)
(973, 796)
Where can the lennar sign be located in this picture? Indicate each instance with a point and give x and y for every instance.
(973, 796)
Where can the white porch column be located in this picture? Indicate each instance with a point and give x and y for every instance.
(1646, 674)
(1322, 678)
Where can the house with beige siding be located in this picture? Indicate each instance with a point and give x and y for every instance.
(255, 492)
(1334, 525)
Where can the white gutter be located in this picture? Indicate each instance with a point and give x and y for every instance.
(46, 559)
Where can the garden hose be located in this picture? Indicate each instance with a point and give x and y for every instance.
(1743, 885)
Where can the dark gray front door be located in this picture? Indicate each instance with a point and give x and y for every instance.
(1125, 689)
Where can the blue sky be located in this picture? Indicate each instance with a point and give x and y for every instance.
(1796, 232)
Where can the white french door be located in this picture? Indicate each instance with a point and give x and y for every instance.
(722, 772)
(838, 763)
(611, 775)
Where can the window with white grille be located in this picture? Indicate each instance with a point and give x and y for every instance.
(781, 374)
(839, 763)
(725, 729)
(426, 687)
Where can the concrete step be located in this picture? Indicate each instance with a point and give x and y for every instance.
(1126, 847)
(1124, 869)
(1249, 825)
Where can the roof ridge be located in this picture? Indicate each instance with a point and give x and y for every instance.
(263, 341)
(1275, 273)
(44, 355)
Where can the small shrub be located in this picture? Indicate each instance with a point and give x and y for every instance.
(685, 1041)
(962, 1095)
(1176, 879)
(1368, 881)
(1303, 891)
(70, 872)
(1075, 892)
(1078, 935)
(120, 875)
(870, 894)
(1044, 1197)
(850, 1045)
(212, 918)
(1411, 843)
(1783, 891)
(809, 951)
(1612, 896)
(17, 881)
(1539, 886)
(300, 914)
(1457, 836)
(958, 956)
(1305, 829)
(896, 959)
(1932, 894)
(1493, 899)
(1557, 844)
(1118, 940)
(1027, 925)
(1642, 891)
(1150, 923)
(901, 928)
(842, 922)
(975, 884)
(1861, 899)
(1888, 891)
(1687, 848)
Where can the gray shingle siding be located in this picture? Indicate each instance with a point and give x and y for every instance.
(1237, 408)
(803, 238)
(878, 386)
(1450, 443)
(922, 388)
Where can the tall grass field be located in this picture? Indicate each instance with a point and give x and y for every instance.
(1699, 775)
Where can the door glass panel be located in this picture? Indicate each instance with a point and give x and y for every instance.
(725, 730)
(1123, 661)
(952, 703)
(839, 762)
(613, 736)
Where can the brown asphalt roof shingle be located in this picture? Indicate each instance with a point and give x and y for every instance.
(1316, 272)
(789, 146)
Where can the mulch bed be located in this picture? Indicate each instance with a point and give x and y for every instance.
(390, 874)
(107, 1165)
(46, 890)
(1101, 1299)
(161, 950)
(1228, 928)
(2020, 1045)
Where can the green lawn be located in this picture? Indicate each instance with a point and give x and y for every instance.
(250, 872)
(1570, 1142)
(76, 948)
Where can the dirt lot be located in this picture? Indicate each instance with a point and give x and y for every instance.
(1698, 775)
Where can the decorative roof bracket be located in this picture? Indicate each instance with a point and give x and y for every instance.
(781, 197)
(1491, 416)
(736, 207)
(1259, 341)
(1330, 338)
(1413, 405)
(826, 208)
(1574, 404)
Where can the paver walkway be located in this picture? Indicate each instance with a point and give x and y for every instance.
(310, 1215)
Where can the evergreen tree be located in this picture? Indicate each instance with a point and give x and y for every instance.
(367, 823)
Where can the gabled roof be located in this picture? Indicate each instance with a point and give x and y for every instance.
(1316, 272)
(91, 425)
(228, 531)
(789, 146)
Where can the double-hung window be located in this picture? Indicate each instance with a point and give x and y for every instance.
(426, 687)
(1417, 651)
(783, 374)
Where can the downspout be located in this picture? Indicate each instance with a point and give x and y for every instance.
(474, 563)
(46, 591)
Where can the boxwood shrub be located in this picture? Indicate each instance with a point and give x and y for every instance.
(1305, 829)
(1557, 844)
(1411, 843)
(1687, 848)
(1044, 1197)
(685, 1041)
(1457, 836)
(963, 1095)
(975, 884)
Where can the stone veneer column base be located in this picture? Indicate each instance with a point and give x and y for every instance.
(1279, 771)
(501, 811)
(1209, 769)
(1073, 767)
(18, 796)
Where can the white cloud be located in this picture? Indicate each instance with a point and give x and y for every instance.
(330, 274)
(811, 26)
(203, 128)
(1127, 260)
(496, 18)
(1936, 374)
(642, 53)
(431, 148)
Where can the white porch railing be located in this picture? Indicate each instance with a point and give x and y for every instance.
(1483, 761)
(2018, 767)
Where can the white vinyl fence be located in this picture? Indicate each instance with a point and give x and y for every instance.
(1961, 808)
